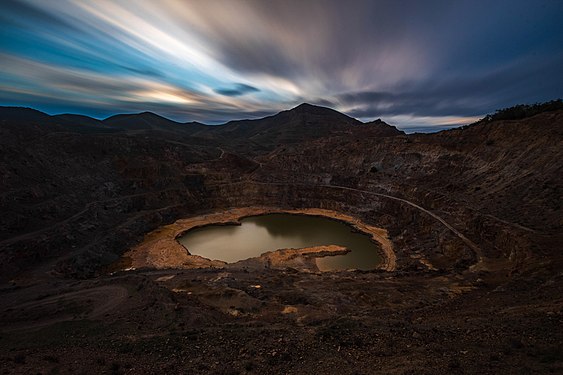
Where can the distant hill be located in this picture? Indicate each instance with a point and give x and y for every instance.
(22, 114)
(303, 123)
(143, 121)
(78, 120)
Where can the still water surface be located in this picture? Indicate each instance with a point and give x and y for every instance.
(259, 234)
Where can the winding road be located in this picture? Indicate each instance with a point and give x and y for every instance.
(460, 235)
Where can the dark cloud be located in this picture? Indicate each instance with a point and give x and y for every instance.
(321, 102)
(374, 58)
(317, 40)
(237, 90)
(461, 95)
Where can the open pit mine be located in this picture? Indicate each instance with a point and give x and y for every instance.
(342, 247)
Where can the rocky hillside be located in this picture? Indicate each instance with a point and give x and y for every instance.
(73, 185)
(474, 216)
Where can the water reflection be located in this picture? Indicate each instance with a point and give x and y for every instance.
(259, 234)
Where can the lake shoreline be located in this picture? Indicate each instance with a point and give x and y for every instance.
(160, 248)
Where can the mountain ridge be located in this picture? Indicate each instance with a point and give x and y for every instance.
(305, 122)
(305, 109)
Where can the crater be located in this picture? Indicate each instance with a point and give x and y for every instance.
(258, 234)
(259, 237)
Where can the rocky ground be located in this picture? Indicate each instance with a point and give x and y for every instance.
(473, 215)
(236, 322)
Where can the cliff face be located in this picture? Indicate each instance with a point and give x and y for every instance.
(78, 195)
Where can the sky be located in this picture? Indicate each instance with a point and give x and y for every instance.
(415, 64)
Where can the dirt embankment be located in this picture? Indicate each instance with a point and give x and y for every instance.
(160, 248)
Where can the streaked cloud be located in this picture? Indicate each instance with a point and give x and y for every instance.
(413, 63)
(236, 90)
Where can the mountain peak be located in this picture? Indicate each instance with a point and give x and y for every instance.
(383, 128)
(307, 107)
(148, 114)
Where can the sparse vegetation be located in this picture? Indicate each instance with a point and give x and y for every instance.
(521, 111)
